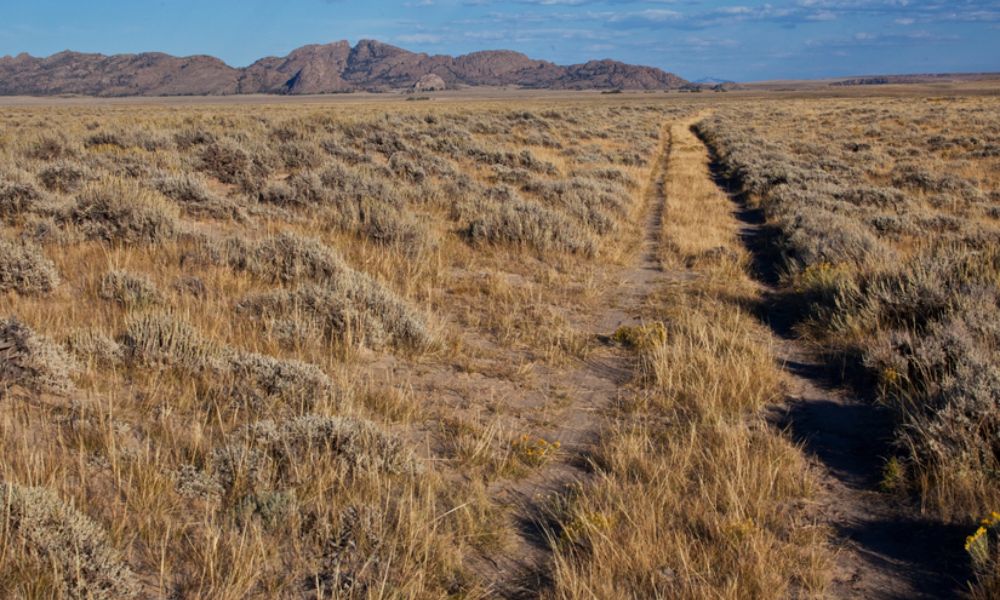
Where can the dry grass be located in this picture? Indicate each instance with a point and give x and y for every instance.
(222, 319)
(694, 496)
(887, 236)
(290, 352)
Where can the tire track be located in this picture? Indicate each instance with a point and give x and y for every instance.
(522, 570)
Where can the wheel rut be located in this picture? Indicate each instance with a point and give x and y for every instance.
(593, 384)
(884, 547)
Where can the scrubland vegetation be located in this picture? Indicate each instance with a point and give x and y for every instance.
(283, 353)
(887, 242)
(311, 351)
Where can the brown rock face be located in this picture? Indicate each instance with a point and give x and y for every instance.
(149, 74)
(614, 74)
(314, 69)
(504, 67)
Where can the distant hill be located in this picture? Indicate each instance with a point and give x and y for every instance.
(918, 78)
(713, 81)
(315, 69)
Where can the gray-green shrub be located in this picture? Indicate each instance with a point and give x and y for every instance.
(123, 212)
(25, 269)
(44, 533)
(128, 290)
(33, 361)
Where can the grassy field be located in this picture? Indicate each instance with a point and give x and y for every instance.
(479, 348)
(886, 233)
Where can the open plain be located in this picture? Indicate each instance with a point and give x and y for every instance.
(499, 343)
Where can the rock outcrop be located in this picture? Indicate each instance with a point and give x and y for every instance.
(430, 83)
(314, 69)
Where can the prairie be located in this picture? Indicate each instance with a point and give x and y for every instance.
(883, 237)
(487, 348)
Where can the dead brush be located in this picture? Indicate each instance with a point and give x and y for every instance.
(106, 138)
(187, 138)
(302, 189)
(270, 455)
(339, 151)
(53, 549)
(33, 361)
(610, 174)
(161, 339)
(308, 188)
(299, 155)
(257, 382)
(120, 211)
(527, 224)
(49, 230)
(17, 198)
(63, 177)
(415, 169)
(95, 346)
(263, 382)
(382, 223)
(25, 269)
(292, 332)
(345, 304)
(128, 290)
(279, 193)
(598, 206)
(50, 148)
(194, 196)
(360, 444)
(351, 309)
(230, 163)
(355, 183)
(284, 258)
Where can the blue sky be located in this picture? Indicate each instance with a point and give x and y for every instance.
(708, 38)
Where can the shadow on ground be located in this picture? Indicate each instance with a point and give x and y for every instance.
(851, 436)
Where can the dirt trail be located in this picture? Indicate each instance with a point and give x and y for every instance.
(885, 549)
(592, 384)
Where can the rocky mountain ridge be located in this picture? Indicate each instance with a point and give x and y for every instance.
(315, 69)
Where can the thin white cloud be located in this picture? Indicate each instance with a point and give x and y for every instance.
(902, 12)
(866, 38)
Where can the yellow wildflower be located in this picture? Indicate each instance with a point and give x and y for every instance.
(972, 539)
(534, 450)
